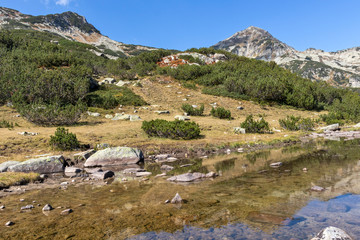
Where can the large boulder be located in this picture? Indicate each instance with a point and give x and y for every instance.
(49, 164)
(332, 233)
(332, 127)
(115, 156)
(5, 165)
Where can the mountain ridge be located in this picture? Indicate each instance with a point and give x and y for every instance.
(341, 68)
(72, 26)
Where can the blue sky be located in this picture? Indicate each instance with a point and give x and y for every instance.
(180, 24)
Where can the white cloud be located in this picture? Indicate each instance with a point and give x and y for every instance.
(63, 2)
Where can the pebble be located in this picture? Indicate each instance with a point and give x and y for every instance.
(9, 223)
(47, 207)
(66, 211)
(167, 201)
(21, 200)
(2, 207)
(27, 207)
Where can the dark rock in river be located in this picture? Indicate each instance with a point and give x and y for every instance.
(115, 156)
(332, 233)
(50, 164)
(266, 218)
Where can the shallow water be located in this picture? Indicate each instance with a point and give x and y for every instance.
(249, 201)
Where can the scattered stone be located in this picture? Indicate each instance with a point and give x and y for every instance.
(305, 169)
(122, 83)
(93, 114)
(332, 127)
(2, 207)
(210, 175)
(166, 168)
(332, 233)
(21, 200)
(103, 175)
(228, 151)
(47, 207)
(171, 159)
(182, 118)
(5, 165)
(240, 150)
(9, 223)
(167, 201)
(143, 174)
(72, 170)
(160, 175)
(115, 156)
(28, 133)
(109, 116)
(187, 177)
(162, 156)
(66, 211)
(317, 188)
(162, 112)
(134, 118)
(27, 207)
(64, 183)
(51, 164)
(239, 130)
(102, 146)
(177, 199)
(120, 116)
(84, 155)
(276, 165)
(186, 165)
(240, 108)
(133, 170)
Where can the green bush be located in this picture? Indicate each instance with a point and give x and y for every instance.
(221, 113)
(64, 140)
(253, 126)
(293, 123)
(190, 110)
(332, 118)
(6, 124)
(171, 129)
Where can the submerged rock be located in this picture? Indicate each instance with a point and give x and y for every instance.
(187, 177)
(332, 233)
(177, 199)
(115, 156)
(5, 165)
(51, 164)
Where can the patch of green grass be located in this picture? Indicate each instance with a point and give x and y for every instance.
(8, 179)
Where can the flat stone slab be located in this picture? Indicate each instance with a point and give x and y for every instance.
(187, 177)
(143, 174)
(103, 175)
(73, 170)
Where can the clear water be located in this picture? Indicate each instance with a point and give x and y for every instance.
(249, 201)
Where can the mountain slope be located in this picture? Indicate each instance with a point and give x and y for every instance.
(72, 26)
(341, 68)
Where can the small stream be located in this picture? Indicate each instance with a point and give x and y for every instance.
(250, 200)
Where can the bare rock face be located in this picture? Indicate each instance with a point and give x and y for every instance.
(115, 156)
(5, 165)
(49, 164)
(332, 233)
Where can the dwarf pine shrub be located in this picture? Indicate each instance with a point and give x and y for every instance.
(190, 110)
(253, 126)
(221, 113)
(64, 140)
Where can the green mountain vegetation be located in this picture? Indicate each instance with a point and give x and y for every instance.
(52, 84)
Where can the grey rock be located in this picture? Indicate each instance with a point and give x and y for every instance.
(28, 133)
(167, 201)
(240, 108)
(5, 165)
(210, 175)
(72, 170)
(276, 164)
(177, 199)
(47, 207)
(182, 118)
(27, 207)
(160, 175)
(84, 155)
(66, 211)
(9, 223)
(143, 174)
(162, 156)
(187, 177)
(162, 112)
(332, 233)
(166, 168)
(121, 117)
(134, 118)
(93, 114)
(64, 183)
(103, 175)
(43, 176)
(50, 164)
(109, 116)
(101, 146)
(239, 130)
(317, 188)
(115, 156)
(133, 170)
(186, 165)
(93, 170)
(332, 127)
(2, 207)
